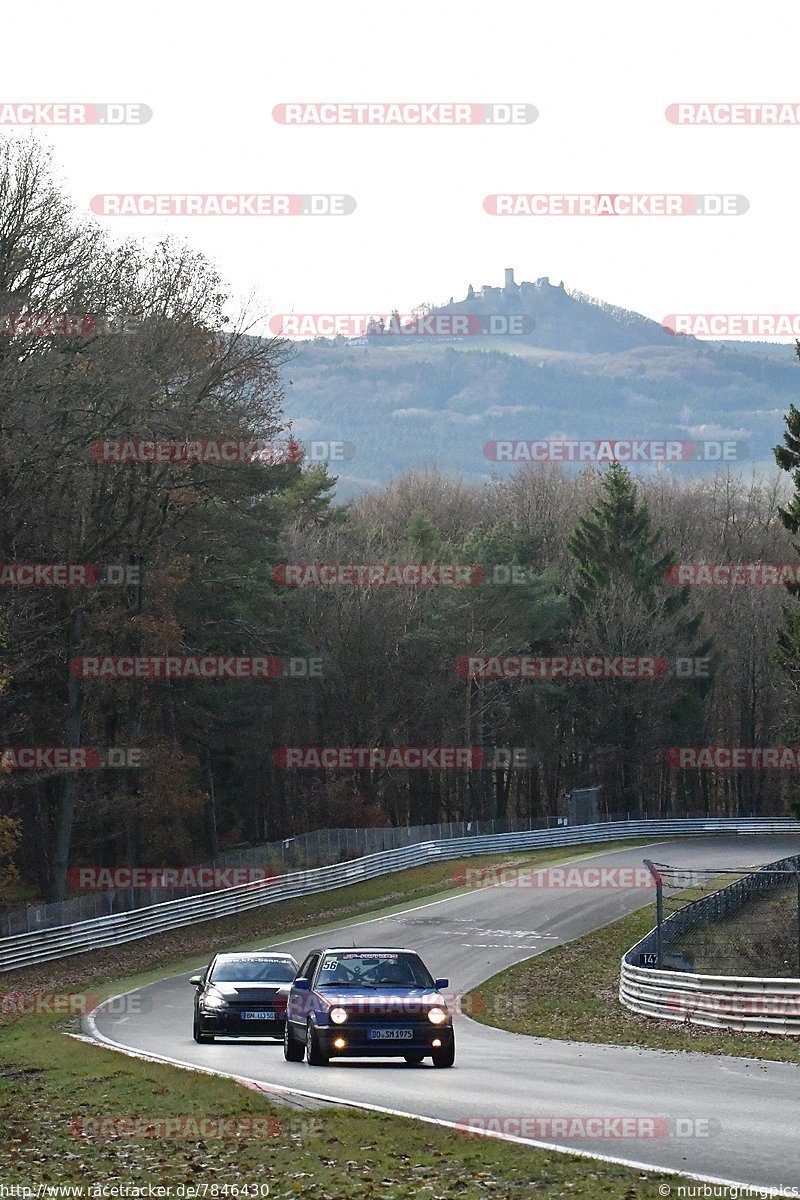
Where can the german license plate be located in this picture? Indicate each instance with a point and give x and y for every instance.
(258, 1016)
(390, 1035)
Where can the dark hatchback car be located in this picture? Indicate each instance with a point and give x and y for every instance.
(377, 1003)
(242, 995)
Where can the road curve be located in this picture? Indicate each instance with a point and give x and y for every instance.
(752, 1104)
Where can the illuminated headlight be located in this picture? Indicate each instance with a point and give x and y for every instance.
(338, 1016)
(437, 1015)
(214, 1002)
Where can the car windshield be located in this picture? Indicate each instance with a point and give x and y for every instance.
(253, 970)
(373, 969)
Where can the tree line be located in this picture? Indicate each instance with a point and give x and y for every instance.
(567, 566)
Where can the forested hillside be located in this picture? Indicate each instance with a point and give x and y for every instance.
(561, 565)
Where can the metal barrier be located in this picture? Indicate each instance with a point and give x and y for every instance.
(298, 852)
(742, 1003)
(44, 945)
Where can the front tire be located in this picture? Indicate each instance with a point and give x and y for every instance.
(314, 1053)
(197, 1032)
(446, 1056)
(293, 1051)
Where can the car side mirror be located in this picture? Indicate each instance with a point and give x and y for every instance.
(302, 985)
(441, 983)
(196, 980)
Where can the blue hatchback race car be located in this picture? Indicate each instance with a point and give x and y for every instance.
(367, 1002)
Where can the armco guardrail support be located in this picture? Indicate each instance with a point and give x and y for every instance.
(748, 1004)
(659, 910)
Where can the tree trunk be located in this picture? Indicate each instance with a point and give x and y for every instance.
(66, 802)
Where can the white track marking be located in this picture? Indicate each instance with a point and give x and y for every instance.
(277, 1088)
(98, 1038)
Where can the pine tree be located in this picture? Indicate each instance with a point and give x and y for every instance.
(787, 648)
(623, 604)
(617, 540)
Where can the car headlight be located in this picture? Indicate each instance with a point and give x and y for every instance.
(214, 1002)
(338, 1016)
(437, 1015)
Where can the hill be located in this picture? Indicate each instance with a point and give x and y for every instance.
(585, 370)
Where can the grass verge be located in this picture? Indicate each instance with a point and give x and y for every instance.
(54, 1089)
(570, 993)
(50, 1082)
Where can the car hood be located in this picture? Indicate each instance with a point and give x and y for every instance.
(400, 999)
(248, 991)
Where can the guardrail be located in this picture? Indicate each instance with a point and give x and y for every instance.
(44, 945)
(744, 1003)
(298, 852)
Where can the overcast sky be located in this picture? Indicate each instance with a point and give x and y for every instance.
(600, 77)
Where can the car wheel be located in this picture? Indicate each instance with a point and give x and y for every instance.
(414, 1058)
(197, 1032)
(314, 1053)
(446, 1056)
(293, 1051)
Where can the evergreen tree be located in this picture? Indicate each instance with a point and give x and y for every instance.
(787, 647)
(623, 604)
(617, 540)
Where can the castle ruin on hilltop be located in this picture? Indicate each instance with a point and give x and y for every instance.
(510, 289)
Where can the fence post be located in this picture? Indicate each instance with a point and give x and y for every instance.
(659, 910)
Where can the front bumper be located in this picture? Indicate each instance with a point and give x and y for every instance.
(356, 1036)
(231, 1023)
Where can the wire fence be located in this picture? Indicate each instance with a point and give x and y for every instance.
(319, 848)
(728, 921)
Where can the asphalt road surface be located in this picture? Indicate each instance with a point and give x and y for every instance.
(752, 1106)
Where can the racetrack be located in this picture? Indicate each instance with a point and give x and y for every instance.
(471, 937)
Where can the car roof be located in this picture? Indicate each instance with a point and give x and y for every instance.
(366, 950)
(233, 954)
